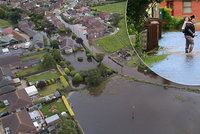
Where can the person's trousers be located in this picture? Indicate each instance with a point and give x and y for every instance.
(189, 44)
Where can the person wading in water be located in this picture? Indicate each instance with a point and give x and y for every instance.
(189, 33)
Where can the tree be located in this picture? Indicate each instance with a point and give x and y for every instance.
(136, 12)
(55, 44)
(14, 16)
(41, 84)
(93, 77)
(2, 13)
(77, 78)
(100, 57)
(56, 55)
(79, 41)
(115, 19)
(67, 71)
(48, 61)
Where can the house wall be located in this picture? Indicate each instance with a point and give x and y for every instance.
(178, 8)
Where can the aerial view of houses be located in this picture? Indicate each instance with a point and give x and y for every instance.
(47, 51)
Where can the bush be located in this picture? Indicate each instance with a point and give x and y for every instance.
(105, 71)
(48, 82)
(80, 59)
(70, 67)
(77, 78)
(2, 105)
(89, 55)
(172, 23)
(64, 82)
(62, 64)
(53, 81)
(72, 73)
(67, 71)
(68, 63)
(41, 84)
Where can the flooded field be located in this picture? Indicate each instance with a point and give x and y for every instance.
(121, 106)
(83, 65)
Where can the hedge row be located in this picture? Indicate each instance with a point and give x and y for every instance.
(60, 70)
(64, 82)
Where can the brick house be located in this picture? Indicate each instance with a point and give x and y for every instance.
(182, 8)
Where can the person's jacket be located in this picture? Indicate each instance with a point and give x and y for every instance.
(189, 29)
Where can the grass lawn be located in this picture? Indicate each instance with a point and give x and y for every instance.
(43, 76)
(50, 89)
(154, 59)
(112, 43)
(26, 71)
(33, 56)
(112, 8)
(4, 23)
(55, 107)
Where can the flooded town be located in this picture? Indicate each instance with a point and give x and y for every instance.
(97, 67)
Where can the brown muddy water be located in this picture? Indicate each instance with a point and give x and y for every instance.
(110, 108)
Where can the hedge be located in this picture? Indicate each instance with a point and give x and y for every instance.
(60, 70)
(64, 82)
(67, 71)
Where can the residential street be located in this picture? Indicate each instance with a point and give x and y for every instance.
(179, 67)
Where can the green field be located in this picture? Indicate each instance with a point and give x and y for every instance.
(112, 8)
(50, 89)
(43, 76)
(26, 71)
(4, 23)
(119, 40)
(33, 56)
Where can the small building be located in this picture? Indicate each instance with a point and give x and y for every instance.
(52, 119)
(5, 51)
(7, 40)
(31, 90)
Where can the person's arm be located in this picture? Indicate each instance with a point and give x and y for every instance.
(184, 24)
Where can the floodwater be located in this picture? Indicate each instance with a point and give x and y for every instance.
(121, 106)
(179, 67)
(84, 65)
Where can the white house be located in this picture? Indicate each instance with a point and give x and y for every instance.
(31, 91)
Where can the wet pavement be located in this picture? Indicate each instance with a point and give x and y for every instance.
(179, 67)
(121, 106)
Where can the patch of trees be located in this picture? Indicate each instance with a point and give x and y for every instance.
(115, 19)
(12, 14)
(41, 24)
(52, 58)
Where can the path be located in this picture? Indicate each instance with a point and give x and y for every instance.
(179, 67)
